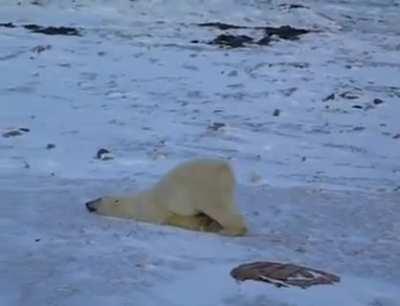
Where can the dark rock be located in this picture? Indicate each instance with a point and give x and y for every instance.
(12, 133)
(296, 6)
(216, 126)
(276, 112)
(288, 91)
(50, 146)
(286, 32)
(330, 97)
(36, 2)
(69, 31)
(16, 132)
(235, 41)
(293, 6)
(265, 41)
(39, 49)
(220, 25)
(397, 136)
(103, 154)
(232, 41)
(102, 151)
(378, 101)
(349, 95)
(7, 25)
(357, 106)
(26, 165)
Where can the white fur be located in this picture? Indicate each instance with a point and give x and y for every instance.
(197, 195)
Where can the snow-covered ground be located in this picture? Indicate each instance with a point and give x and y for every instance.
(319, 184)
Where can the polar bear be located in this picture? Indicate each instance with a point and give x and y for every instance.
(196, 195)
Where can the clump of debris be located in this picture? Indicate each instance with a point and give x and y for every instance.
(50, 30)
(283, 274)
(229, 40)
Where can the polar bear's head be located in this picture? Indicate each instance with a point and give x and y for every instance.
(111, 206)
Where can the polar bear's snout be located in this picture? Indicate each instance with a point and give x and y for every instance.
(92, 205)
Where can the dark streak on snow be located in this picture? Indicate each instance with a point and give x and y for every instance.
(285, 32)
(50, 30)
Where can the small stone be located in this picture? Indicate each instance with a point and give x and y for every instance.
(15, 132)
(7, 25)
(285, 32)
(104, 154)
(231, 41)
(12, 133)
(232, 73)
(216, 126)
(50, 146)
(378, 101)
(276, 112)
(265, 41)
(357, 106)
(349, 95)
(52, 30)
(300, 250)
(330, 97)
(26, 165)
(296, 6)
(255, 178)
(40, 48)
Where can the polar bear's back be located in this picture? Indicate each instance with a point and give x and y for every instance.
(194, 186)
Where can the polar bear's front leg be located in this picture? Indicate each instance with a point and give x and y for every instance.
(232, 224)
(200, 222)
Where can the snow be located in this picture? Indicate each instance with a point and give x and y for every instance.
(318, 184)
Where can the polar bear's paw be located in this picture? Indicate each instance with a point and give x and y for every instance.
(200, 222)
(241, 231)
